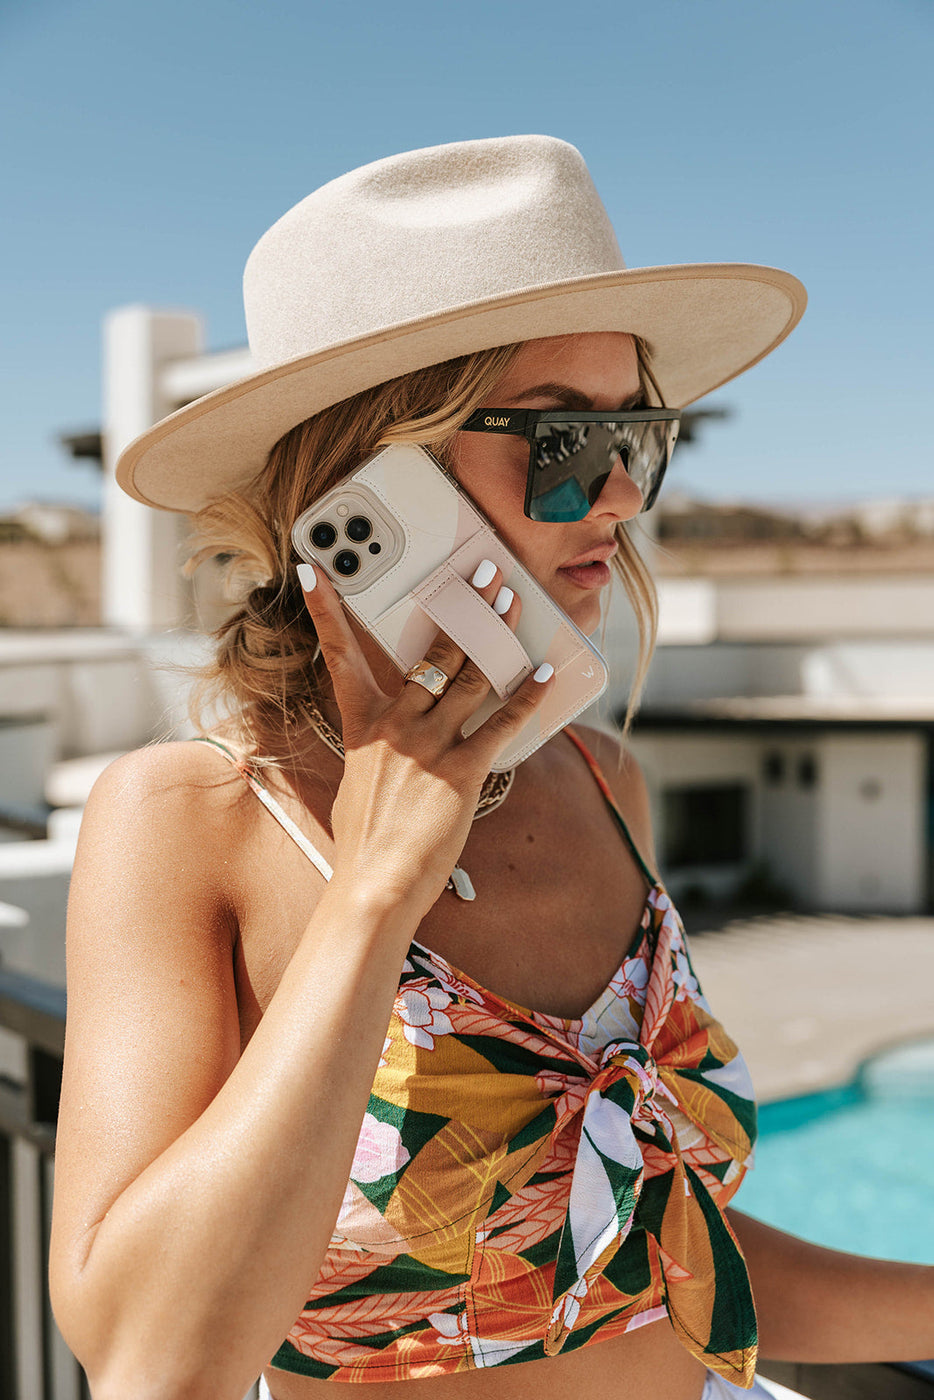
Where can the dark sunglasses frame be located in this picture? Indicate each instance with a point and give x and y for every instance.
(522, 422)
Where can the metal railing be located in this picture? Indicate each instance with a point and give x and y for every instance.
(910, 1380)
(35, 1363)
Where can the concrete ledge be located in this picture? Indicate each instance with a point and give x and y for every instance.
(809, 998)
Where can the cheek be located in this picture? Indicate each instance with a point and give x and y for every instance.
(492, 470)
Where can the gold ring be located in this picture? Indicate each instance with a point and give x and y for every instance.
(429, 677)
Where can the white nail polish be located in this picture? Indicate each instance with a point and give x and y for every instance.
(503, 600)
(544, 672)
(306, 576)
(484, 574)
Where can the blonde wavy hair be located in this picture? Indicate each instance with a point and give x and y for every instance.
(266, 666)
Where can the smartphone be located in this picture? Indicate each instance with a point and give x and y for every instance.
(400, 540)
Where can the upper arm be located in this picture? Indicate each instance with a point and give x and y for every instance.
(152, 1027)
(627, 784)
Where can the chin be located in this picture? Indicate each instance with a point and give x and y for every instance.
(592, 625)
(583, 608)
(586, 616)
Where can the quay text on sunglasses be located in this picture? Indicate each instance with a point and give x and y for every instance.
(571, 454)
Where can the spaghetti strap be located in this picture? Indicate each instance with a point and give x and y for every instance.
(604, 787)
(252, 779)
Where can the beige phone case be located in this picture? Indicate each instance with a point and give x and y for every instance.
(430, 539)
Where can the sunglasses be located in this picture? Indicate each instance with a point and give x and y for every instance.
(571, 454)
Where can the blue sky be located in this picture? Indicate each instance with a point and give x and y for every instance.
(149, 146)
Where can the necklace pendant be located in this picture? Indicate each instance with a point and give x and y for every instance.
(494, 792)
(460, 883)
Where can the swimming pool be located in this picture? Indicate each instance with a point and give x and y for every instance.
(853, 1167)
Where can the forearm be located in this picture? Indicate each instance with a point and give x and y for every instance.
(821, 1305)
(201, 1265)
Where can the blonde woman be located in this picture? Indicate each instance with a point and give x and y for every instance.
(324, 1115)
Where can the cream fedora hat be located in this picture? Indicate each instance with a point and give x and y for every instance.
(433, 254)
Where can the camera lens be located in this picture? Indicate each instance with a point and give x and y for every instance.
(346, 562)
(323, 535)
(358, 529)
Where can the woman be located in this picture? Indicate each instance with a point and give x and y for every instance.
(287, 1112)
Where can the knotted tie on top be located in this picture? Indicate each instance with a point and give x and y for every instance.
(524, 1184)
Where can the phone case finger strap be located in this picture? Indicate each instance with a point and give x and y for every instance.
(457, 608)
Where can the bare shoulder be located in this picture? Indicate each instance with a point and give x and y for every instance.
(165, 808)
(164, 793)
(161, 769)
(626, 781)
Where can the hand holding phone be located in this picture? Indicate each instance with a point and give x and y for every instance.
(400, 541)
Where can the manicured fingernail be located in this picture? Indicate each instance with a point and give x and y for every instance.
(503, 600)
(544, 672)
(485, 573)
(306, 576)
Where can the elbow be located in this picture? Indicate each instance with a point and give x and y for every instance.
(141, 1367)
(152, 1378)
(130, 1352)
(124, 1388)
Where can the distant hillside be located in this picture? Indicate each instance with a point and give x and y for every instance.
(50, 556)
(50, 585)
(714, 538)
(50, 567)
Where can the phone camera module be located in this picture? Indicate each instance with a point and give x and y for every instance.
(346, 562)
(323, 535)
(358, 529)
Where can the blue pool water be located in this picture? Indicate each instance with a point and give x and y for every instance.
(853, 1168)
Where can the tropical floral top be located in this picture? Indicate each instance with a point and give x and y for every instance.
(525, 1184)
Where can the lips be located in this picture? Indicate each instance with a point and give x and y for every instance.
(590, 570)
(595, 575)
(600, 554)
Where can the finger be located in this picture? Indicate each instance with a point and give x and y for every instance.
(503, 726)
(487, 580)
(448, 657)
(471, 686)
(509, 606)
(353, 681)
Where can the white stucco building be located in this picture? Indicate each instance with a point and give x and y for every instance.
(786, 733)
(787, 736)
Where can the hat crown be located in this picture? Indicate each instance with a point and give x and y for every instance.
(431, 255)
(419, 234)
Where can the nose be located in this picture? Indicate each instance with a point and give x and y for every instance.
(615, 494)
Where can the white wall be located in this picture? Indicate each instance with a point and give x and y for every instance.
(27, 747)
(681, 673)
(152, 365)
(899, 670)
(790, 819)
(854, 841)
(142, 585)
(872, 822)
(98, 691)
(687, 760)
(687, 610)
(775, 607)
(842, 606)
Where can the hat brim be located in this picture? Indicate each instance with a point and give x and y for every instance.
(704, 324)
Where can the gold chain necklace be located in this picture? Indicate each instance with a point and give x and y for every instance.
(492, 795)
